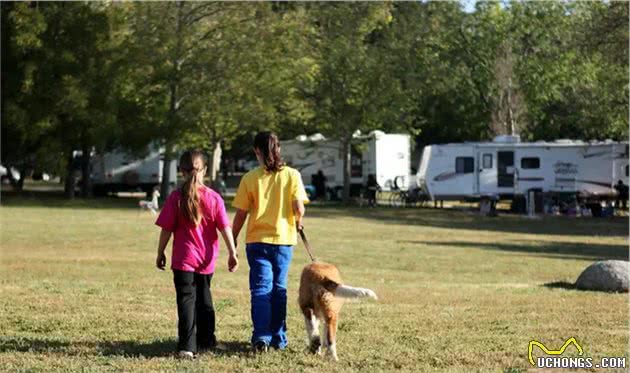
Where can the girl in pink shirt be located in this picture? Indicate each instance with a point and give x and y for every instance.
(193, 214)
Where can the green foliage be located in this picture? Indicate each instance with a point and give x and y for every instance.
(103, 75)
(573, 90)
(355, 88)
(59, 94)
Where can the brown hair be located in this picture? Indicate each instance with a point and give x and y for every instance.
(269, 147)
(191, 163)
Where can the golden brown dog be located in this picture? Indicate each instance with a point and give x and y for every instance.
(321, 293)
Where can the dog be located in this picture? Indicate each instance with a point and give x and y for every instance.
(151, 205)
(321, 296)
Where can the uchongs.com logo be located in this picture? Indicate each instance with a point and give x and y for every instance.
(554, 358)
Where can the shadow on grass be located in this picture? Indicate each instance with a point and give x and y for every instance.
(156, 348)
(555, 250)
(129, 348)
(425, 217)
(462, 219)
(560, 285)
(124, 348)
(37, 345)
(57, 200)
(233, 348)
(163, 348)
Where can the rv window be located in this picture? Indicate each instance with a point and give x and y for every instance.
(530, 163)
(464, 165)
(627, 171)
(487, 161)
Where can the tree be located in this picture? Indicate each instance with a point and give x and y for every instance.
(571, 88)
(59, 100)
(247, 77)
(508, 106)
(24, 123)
(443, 59)
(354, 88)
(179, 49)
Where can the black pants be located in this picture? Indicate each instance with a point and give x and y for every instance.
(194, 311)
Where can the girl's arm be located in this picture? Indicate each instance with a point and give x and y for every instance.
(298, 212)
(237, 224)
(229, 242)
(160, 261)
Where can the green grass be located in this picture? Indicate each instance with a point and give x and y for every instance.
(458, 292)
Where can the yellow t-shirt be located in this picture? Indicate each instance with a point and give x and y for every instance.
(268, 197)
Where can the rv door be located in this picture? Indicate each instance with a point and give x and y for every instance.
(487, 171)
(505, 169)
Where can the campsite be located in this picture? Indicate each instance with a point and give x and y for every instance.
(218, 186)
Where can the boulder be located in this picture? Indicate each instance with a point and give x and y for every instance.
(605, 275)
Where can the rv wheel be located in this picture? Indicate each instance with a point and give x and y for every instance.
(99, 191)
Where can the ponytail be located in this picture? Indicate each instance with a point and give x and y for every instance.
(191, 163)
(269, 147)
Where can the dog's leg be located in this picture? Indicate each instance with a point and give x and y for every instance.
(331, 335)
(312, 330)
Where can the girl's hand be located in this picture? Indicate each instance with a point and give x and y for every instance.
(233, 263)
(160, 261)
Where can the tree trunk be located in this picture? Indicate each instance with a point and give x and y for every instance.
(70, 181)
(510, 112)
(166, 187)
(18, 185)
(86, 184)
(347, 168)
(215, 162)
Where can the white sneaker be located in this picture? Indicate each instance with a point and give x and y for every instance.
(187, 355)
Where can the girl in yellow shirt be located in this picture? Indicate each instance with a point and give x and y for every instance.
(273, 196)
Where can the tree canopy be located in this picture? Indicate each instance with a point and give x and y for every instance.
(95, 76)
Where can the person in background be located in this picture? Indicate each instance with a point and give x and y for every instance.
(273, 197)
(320, 185)
(372, 188)
(622, 195)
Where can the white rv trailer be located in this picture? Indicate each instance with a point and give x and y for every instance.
(118, 171)
(384, 155)
(507, 167)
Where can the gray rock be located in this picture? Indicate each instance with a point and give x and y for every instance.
(606, 275)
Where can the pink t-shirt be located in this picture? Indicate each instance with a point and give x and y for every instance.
(195, 249)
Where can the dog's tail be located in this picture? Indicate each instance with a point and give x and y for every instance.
(345, 291)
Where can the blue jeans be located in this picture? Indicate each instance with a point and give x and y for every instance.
(268, 269)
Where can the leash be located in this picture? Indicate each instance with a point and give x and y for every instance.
(306, 244)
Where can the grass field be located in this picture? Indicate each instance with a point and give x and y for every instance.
(458, 292)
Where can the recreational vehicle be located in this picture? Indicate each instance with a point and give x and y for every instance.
(384, 155)
(507, 167)
(118, 171)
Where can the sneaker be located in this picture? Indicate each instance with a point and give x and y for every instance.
(260, 347)
(185, 355)
(279, 348)
(208, 347)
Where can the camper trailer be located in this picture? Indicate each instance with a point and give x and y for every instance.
(119, 171)
(384, 155)
(506, 167)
